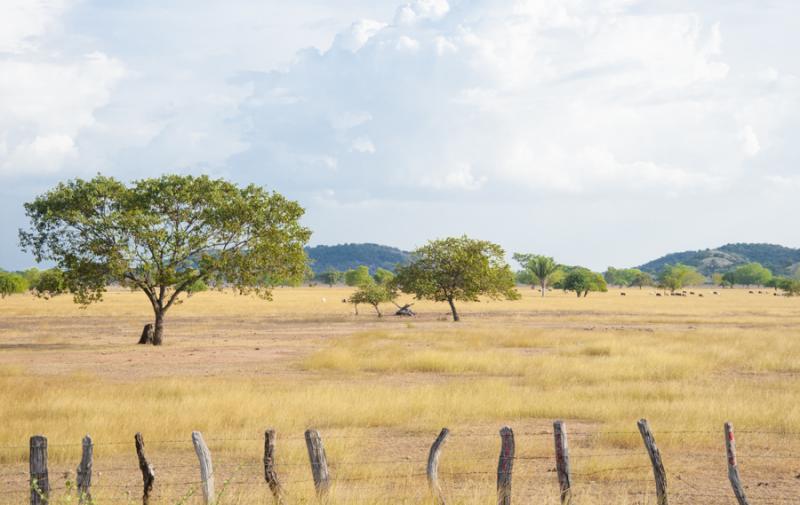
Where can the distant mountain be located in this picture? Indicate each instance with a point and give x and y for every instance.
(781, 260)
(346, 256)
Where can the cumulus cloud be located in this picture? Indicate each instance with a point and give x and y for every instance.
(572, 97)
(47, 100)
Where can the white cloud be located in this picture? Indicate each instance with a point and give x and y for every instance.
(750, 144)
(421, 10)
(23, 22)
(557, 97)
(357, 35)
(47, 99)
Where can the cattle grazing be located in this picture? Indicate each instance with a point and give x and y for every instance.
(623, 294)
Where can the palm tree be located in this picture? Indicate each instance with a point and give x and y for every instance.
(541, 267)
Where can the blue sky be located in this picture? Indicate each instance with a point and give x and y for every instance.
(602, 132)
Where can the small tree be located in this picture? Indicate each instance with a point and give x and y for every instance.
(457, 269)
(790, 286)
(641, 279)
(728, 280)
(373, 294)
(383, 276)
(582, 281)
(752, 274)
(162, 236)
(11, 283)
(331, 277)
(675, 277)
(357, 276)
(540, 268)
(49, 283)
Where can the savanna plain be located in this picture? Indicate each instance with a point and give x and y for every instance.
(380, 389)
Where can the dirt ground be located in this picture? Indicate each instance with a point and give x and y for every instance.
(51, 351)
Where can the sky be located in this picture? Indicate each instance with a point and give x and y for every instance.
(600, 132)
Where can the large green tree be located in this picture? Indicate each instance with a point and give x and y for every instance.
(358, 276)
(541, 268)
(164, 235)
(457, 269)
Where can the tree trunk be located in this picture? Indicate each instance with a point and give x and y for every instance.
(158, 332)
(378, 310)
(456, 318)
(544, 286)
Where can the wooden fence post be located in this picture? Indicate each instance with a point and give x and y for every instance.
(659, 474)
(206, 468)
(433, 467)
(269, 467)
(505, 466)
(319, 463)
(733, 467)
(148, 475)
(562, 461)
(84, 478)
(40, 483)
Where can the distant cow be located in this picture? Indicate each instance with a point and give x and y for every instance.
(716, 293)
(700, 295)
(658, 294)
(622, 294)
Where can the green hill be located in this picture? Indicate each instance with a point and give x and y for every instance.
(346, 256)
(779, 259)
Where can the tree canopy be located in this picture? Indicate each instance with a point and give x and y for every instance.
(163, 235)
(331, 277)
(751, 274)
(12, 283)
(383, 276)
(457, 269)
(582, 281)
(540, 268)
(357, 276)
(373, 294)
(675, 277)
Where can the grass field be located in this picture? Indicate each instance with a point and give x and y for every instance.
(379, 391)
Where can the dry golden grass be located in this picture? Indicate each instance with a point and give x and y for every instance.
(380, 389)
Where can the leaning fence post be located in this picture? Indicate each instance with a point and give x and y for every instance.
(206, 469)
(733, 467)
(40, 484)
(505, 466)
(148, 475)
(269, 467)
(319, 462)
(562, 461)
(659, 474)
(84, 480)
(433, 467)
